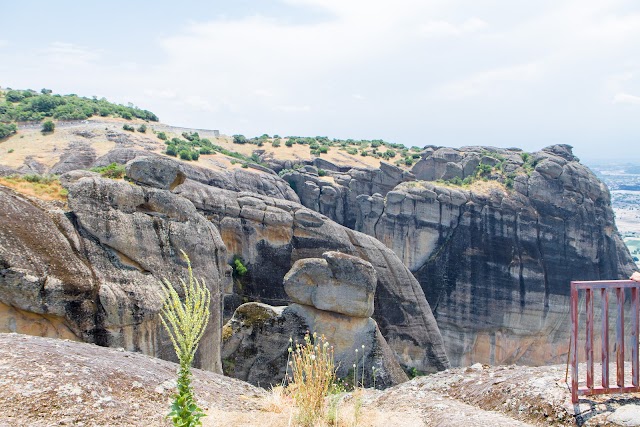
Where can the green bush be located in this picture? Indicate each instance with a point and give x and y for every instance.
(48, 126)
(323, 149)
(14, 96)
(113, 171)
(171, 150)
(142, 128)
(239, 269)
(288, 143)
(7, 130)
(276, 143)
(239, 139)
(483, 169)
(162, 136)
(128, 128)
(322, 172)
(185, 154)
(185, 322)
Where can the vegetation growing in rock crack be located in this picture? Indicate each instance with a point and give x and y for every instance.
(239, 269)
(185, 322)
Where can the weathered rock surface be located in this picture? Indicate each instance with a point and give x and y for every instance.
(256, 342)
(79, 155)
(495, 263)
(339, 283)
(45, 382)
(257, 338)
(48, 382)
(336, 195)
(270, 234)
(121, 156)
(165, 173)
(93, 274)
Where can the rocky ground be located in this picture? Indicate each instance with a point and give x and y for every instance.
(45, 382)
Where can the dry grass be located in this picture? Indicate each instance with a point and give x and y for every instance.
(45, 190)
(313, 373)
(487, 187)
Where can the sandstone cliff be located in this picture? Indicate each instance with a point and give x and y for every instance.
(494, 237)
(495, 262)
(120, 239)
(92, 273)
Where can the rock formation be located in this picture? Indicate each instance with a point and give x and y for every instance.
(153, 174)
(93, 273)
(335, 195)
(271, 234)
(495, 258)
(333, 298)
(117, 240)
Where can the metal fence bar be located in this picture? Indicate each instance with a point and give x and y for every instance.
(620, 338)
(604, 293)
(634, 337)
(588, 345)
(574, 342)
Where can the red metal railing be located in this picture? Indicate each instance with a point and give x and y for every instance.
(603, 287)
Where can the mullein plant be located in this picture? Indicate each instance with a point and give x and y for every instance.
(185, 322)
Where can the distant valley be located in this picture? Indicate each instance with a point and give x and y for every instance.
(623, 180)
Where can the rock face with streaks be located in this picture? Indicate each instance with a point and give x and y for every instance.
(495, 258)
(93, 273)
(271, 234)
(334, 298)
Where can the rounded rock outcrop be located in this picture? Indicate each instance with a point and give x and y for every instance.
(340, 283)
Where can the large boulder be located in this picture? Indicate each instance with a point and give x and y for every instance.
(167, 173)
(258, 336)
(78, 155)
(340, 283)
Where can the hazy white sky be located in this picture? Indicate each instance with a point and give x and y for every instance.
(445, 72)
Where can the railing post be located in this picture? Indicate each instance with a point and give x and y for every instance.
(588, 345)
(605, 337)
(634, 336)
(574, 343)
(620, 338)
